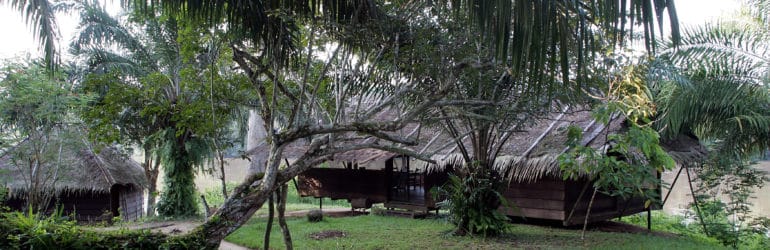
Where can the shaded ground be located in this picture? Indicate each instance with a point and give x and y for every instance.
(620, 227)
(185, 226)
(327, 234)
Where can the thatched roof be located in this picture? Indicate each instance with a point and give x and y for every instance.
(533, 154)
(430, 141)
(80, 169)
(527, 155)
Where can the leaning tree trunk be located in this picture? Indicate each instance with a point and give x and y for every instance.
(588, 213)
(221, 156)
(246, 199)
(282, 192)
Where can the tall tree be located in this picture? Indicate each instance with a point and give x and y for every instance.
(159, 90)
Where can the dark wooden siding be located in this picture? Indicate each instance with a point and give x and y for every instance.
(542, 199)
(86, 206)
(554, 199)
(93, 206)
(433, 180)
(131, 202)
(90, 206)
(344, 184)
(358, 184)
(604, 206)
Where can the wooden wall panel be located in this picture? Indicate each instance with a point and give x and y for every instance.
(344, 184)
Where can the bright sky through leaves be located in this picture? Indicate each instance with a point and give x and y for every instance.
(18, 40)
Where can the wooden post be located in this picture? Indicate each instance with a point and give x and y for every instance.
(695, 200)
(321, 204)
(649, 218)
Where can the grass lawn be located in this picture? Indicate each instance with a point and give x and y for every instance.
(385, 232)
(293, 201)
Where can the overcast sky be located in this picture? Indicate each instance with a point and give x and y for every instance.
(18, 40)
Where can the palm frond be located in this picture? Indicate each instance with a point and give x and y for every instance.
(505, 21)
(39, 16)
(97, 29)
(101, 61)
(720, 41)
(269, 24)
(760, 10)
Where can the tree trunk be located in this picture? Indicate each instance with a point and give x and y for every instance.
(269, 227)
(282, 192)
(222, 171)
(255, 143)
(151, 172)
(178, 198)
(588, 213)
(152, 194)
(246, 199)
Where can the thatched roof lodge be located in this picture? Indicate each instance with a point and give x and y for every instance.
(537, 188)
(528, 160)
(93, 186)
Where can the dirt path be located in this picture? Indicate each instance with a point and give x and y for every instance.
(183, 227)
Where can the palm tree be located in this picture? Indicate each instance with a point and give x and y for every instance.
(157, 96)
(722, 95)
(723, 98)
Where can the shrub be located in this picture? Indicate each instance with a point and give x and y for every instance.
(32, 231)
(315, 216)
(378, 210)
(473, 201)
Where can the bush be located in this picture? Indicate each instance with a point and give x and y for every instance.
(315, 216)
(750, 238)
(473, 201)
(379, 210)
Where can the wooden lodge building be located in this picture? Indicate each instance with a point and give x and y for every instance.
(92, 186)
(536, 188)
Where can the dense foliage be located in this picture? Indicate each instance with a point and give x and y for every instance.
(725, 101)
(472, 197)
(36, 121)
(165, 89)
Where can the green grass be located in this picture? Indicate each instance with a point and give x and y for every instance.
(293, 201)
(381, 232)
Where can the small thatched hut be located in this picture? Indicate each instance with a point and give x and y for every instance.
(93, 186)
(529, 160)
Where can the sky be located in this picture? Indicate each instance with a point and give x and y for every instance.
(18, 39)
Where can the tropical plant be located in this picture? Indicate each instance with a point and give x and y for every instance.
(509, 91)
(725, 101)
(627, 167)
(472, 197)
(161, 89)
